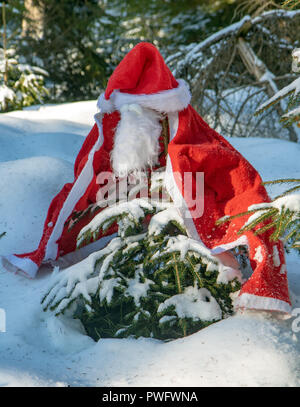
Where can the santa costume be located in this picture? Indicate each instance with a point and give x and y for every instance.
(141, 88)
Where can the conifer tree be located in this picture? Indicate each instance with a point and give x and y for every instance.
(21, 84)
(151, 280)
(282, 215)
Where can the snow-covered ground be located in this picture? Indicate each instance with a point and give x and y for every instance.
(37, 151)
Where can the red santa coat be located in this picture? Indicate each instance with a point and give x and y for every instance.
(231, 185)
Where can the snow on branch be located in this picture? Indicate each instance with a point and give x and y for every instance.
(183, 245)
(282, 215)
(273, 14)
(293, 87)
(293, 115)
(136, 209)
(233, 29)
(79, 280)
(239, 28)
(291, 202)
(161, 220)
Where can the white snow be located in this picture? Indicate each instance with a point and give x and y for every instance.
(26, 186)
(282, 159)
(255, 215)
(6, 94)
(134, 207)
(283, 269)
(296, 60)
(159, 221)
(293, 86)
(258, 254)
(276, 258)
(37, 149)
(167, 318)
(230, 30)
(296, 54)
(136, 289)
(227, 274)
(183, 244)
(194, 303)
(293, 113)
(291, 202)
(79, 279)
(107, 289)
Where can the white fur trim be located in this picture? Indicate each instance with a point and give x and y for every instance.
(172, 100)
(105, 106)
(75, 194)
(19, 264)
(257, 302)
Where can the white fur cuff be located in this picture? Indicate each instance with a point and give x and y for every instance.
(167, 101)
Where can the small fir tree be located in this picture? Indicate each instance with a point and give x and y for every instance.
(152, 280)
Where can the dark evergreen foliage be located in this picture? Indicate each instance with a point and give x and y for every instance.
(152, 280)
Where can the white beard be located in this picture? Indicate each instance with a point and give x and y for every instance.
(136, 145)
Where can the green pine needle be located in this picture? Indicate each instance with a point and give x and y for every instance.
(140, 260)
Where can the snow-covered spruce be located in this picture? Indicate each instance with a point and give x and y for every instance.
(21, 84)
(151, 281)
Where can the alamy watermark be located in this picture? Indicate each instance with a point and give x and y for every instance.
(187, 190)
(296, 322)
(2, 320)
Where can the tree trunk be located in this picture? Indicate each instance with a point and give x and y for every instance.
(33, 20)
(4, 40)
